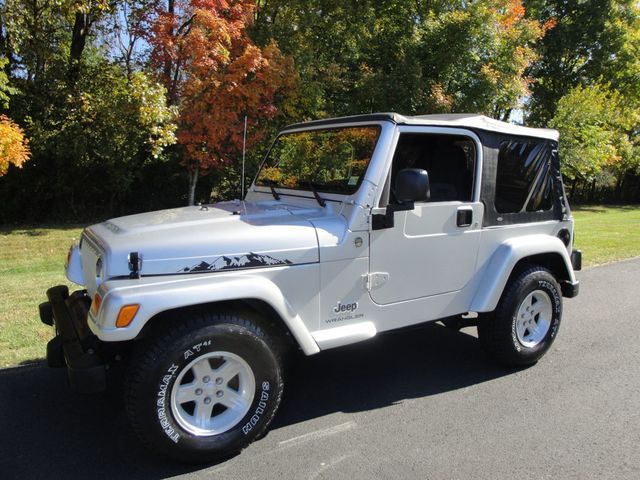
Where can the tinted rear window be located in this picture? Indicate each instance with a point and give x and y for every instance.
(524, 176)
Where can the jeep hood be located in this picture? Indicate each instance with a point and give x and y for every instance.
(223, 236)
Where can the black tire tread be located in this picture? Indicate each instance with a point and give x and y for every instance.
(492, 335)
(151, 347)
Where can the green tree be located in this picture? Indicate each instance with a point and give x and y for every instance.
(408, 56)
(5, 88)
(594, 125)
(39, 32)
(588, 41)
(34, 31)
(474, 58)
(95, 125)
(106, 132)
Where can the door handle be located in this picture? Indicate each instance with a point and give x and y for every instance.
(464, 216)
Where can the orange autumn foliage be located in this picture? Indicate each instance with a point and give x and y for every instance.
(549, 24)
(14, 147)
(513, 13)
(217, 75)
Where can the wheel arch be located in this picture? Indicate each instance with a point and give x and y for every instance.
(258, 310)
(514, 256)
(162, 301)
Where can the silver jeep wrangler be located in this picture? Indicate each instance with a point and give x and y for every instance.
(352, 226)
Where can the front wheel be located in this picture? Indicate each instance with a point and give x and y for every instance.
(204, 388)
(525, 323)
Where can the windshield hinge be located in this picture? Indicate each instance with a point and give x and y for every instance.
(375, 280)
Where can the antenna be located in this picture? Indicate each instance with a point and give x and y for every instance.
(244, 149)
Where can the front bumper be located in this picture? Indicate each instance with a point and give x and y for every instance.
(74, 345)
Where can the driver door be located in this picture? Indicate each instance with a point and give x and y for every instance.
(432, 249)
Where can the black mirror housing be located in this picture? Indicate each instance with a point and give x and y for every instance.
(412, 185)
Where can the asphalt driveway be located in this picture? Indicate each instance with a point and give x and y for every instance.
(417, 404)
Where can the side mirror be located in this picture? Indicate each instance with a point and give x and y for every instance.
(412, 184)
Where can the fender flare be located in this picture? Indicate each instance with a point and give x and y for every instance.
(495, 274)
(155, 296)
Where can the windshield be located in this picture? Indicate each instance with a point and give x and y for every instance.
(333, 160)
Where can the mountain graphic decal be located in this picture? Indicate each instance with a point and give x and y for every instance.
(249, 260)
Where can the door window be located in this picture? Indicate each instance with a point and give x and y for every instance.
(448, 159)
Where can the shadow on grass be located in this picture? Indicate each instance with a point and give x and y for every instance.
(51, 431)
(39, 230)
(32, 362)
(603, 208)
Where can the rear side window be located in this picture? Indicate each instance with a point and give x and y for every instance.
(524, 179)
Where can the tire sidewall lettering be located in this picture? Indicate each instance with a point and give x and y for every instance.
(551, 290)
(514, 335)
(498, 331)
(260, 409)
(163, 402)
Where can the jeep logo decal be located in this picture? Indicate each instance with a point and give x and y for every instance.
(345, 307)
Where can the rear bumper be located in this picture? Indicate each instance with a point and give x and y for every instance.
(569, 289)
(74, 345)
(576, 260)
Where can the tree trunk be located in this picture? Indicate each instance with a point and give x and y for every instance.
(3, 37)
(585, 191)
(81, 28)
(193, 180)
(168, 64)
(256, 15)
(592, 192)
(572, 189)
(619, 184)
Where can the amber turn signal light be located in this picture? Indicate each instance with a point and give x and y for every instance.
(126, 314)
(95, 305)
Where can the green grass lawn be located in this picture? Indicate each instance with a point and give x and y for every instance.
(32, 259)
(607, 234)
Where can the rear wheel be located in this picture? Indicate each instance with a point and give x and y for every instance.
(525, 323)
(204, 388)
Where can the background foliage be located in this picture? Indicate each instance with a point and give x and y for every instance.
(118, 106)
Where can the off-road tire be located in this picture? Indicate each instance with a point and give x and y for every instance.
(498, 331)
(156, 369)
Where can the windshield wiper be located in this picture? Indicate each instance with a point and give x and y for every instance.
(319, 199)
(273, 190)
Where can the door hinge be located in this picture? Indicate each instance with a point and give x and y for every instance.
(375, 280)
